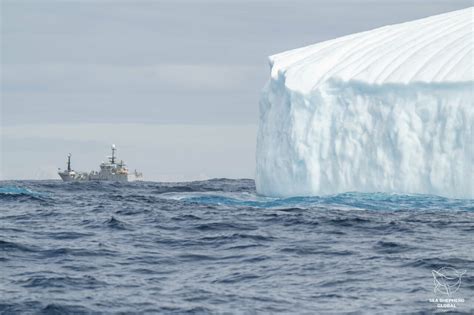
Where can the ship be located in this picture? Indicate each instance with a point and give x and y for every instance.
(112, 170)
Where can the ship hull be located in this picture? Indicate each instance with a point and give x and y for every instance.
(110, 178)
(66, 178)
(93, 177)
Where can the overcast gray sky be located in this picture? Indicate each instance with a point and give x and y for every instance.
(174, 84)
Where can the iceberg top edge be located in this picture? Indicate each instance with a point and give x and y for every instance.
(433, 49)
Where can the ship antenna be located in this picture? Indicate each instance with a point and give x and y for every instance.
(113, 154)
(69, 162)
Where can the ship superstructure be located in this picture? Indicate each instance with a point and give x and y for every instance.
(112, 170)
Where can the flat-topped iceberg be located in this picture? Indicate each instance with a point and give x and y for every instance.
(387, 110)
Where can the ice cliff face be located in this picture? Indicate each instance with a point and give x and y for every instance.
(388, 110)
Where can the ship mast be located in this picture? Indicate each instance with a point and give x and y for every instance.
(112, 160)
(69, 162)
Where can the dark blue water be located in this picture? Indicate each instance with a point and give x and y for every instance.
(216, 247)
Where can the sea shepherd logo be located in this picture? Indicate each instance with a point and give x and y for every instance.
(447, 281)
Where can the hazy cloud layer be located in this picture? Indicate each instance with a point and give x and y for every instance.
(179, 63)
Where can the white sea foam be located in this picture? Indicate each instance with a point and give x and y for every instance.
(387, 110)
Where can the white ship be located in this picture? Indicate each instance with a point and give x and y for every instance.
(113, 170)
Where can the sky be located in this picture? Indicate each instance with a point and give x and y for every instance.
(175, 84)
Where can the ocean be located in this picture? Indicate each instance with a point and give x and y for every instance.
(216, 247)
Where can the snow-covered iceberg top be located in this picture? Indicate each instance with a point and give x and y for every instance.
(387, 110)
(433, 49)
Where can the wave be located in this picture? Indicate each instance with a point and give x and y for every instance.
(116, 224)
(20, 193)
(344, 201)
(221, 235)
(84, 282)
(6, 246)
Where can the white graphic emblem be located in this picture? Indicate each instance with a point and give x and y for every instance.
(447, 280)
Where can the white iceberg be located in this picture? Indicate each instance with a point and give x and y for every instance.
(387, 110)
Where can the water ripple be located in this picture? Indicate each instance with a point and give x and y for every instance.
(216, 247)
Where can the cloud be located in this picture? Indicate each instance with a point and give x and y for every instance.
(105, 67)
(101, 78)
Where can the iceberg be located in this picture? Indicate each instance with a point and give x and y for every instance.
(387, 110)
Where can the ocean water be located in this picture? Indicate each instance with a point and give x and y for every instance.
(215, 247)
